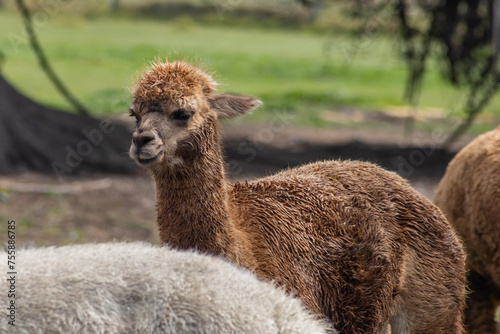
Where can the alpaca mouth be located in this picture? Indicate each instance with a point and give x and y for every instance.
(147, 161)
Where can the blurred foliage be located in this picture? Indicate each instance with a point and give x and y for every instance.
(347, 56)
(459, 35)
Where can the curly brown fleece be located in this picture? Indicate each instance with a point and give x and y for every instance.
(355, 242)
(469, 195)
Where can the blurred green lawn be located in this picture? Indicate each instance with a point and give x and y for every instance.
(300, 71)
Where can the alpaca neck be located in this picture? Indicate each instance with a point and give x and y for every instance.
(192, 198)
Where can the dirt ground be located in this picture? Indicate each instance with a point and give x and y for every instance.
(100, 208)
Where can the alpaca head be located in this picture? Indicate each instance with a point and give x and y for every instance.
(177, 111)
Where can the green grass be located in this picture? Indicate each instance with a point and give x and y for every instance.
(299, 71)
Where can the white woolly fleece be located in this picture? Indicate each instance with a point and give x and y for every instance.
(139, 288)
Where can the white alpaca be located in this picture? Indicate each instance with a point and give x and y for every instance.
(138, 288)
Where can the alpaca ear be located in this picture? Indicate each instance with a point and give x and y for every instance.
(228, 105)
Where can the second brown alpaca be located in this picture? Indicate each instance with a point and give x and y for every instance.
(469, 195)
(356, 243)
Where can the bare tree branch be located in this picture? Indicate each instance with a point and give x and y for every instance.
(43, 61)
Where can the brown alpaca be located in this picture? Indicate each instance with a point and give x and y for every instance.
(355, 242)
(469, 195)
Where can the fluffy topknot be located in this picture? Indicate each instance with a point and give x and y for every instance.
(173, 80)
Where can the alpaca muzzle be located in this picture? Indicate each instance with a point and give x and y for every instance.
(146, 147)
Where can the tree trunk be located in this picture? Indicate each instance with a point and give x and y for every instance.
(37, 138)
(114, 5)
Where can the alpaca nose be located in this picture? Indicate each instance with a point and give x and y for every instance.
(141, 139)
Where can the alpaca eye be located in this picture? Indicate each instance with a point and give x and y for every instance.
(133, 114)
(181, 115)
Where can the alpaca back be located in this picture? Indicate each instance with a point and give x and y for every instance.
(138, 288)
(352, 238)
